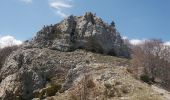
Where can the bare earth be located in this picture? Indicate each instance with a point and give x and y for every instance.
(162, 92)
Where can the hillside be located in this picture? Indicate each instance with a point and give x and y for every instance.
(80, 58)
(103, 77)
(91, 76)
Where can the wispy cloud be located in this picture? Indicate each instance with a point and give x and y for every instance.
(124, 37)
(8, 41)
(61, 14)
(141, 41)
(27, 1)
(137, 41)
(60, 5)
(134, 41)
(167, 43)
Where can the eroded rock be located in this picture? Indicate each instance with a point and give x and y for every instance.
(87, 32)
(27, 70)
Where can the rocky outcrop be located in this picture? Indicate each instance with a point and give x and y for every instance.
(28, 70)
(87, 32)
(53, 63)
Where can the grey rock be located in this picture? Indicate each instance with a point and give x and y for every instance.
(87, 32)
(73, 75)
(27, 70)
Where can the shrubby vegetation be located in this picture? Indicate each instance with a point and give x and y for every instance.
(151, 63)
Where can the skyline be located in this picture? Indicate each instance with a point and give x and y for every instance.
(136, 20)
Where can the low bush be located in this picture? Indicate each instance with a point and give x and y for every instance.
(147, 79)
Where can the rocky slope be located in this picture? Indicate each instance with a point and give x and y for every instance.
(58, 65)
(80, 75)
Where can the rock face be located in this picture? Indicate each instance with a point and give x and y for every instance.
(86, 32)
(31, 69)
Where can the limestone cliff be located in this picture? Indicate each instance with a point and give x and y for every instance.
(86, 32)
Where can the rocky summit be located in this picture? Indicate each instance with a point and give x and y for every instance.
(83, 32)
(71, 61)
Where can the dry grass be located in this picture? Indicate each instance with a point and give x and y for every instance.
(121, 85)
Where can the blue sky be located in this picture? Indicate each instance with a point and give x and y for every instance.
(135, 19)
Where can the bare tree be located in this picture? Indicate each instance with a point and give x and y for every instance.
(150, 61)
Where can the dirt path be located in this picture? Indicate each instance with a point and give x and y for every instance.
(162, 92)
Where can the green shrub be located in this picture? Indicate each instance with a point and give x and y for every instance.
(46, 92)
(51, 91)
(147, 79)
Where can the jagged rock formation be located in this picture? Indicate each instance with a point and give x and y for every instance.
(87, 32)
